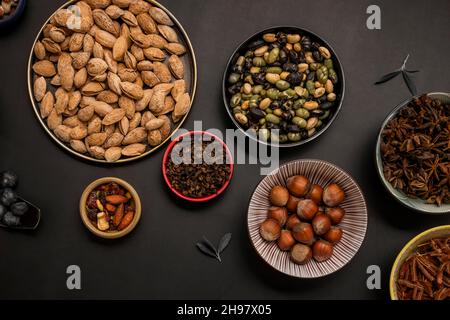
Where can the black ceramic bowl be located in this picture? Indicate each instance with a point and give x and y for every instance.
(9, 20)
(339, 88)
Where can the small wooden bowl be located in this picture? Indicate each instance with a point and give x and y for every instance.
(409, 248)
(109, 234)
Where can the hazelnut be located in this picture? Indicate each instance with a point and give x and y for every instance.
(286, 240)
(270, 230)
(278, 213)
(315, 194)
(333, 195)
(322, 250)
(292, 221)
(303, 232)
(301, 254)
(279, 196)
(335, 214)
(292, 203)
(321, 224)
(307, 209)
(333, 235)
(298, 185)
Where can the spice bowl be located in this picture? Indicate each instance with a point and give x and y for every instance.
(271, 96)
(353, 223)
(225, 167)
(408, 250)
(132, 205)
(416, 204)
(8, 20)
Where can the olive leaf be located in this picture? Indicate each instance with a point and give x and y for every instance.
(409, 83)
(206, 250)
(388, 76)
(206, 247)
(405, 74)
(224, 242)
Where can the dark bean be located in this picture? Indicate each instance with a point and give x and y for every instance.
(295, 78)
(293, 128)
(326, 105)
(283, 126)
(293, 57)
(276, 104)
(287, 105)
(256, 113)
(315, 45)
(322, 99)
(256, 44)
(311, 76)
(235, 88)
(259, 78)
(317, 56)
(290, 67)
(306, 43)
(301, 57)
(282, 38)
(283, 57)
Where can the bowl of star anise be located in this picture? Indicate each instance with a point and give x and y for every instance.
(413, 153)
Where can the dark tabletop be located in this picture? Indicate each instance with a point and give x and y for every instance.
(159, 259)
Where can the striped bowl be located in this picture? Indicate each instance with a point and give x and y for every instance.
(354, 223)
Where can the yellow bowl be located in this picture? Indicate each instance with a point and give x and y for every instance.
(109, 234)
(409, 248)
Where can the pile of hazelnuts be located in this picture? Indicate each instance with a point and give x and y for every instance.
(303, 219)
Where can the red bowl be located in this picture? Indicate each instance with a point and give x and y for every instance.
(166, 156)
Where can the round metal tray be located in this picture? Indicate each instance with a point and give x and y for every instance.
(190, 77)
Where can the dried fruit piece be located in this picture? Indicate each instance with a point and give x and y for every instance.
(126, 220)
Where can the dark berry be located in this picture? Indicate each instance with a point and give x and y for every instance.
(19, 208)
(8, 197)
(11, 220)
(8, 179)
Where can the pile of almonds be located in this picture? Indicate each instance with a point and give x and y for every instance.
(109, 78)
(304, 219)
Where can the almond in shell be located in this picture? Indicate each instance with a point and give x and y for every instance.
(97, 152)
(181, 107)
(113, 117)
(80, 59)
(101, 108)
(175, 48)
(39, 50)
(143, 103)
(96, 139)
(76, 42)
(139, 6)
(63, 132)
(66, 71)
(179, 87)
(132, 90)
(47, 104)
(94, 125)
(114, 83)
(62, 100)
(113, 154)
(114, 12)
(135, 136)
(160, 92)
(80, 78)
(120, 48)
(133, 150)
(162, 72)
(124, 125)
(104, 21)
(78, 146)
(154, 54)
(54, 119)
(74, 100)
(114, 140)
(39, 88)
(150, 78)
(78, 133)
(135, 121)
(86, 113)
(154, 138)
(168, 33)
(147, 23)
(176, 66)
(154, 124)
(44, 68)
(105, 38)
(98, 4)
(160, 16)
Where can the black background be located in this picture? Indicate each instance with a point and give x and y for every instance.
(159, 259)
